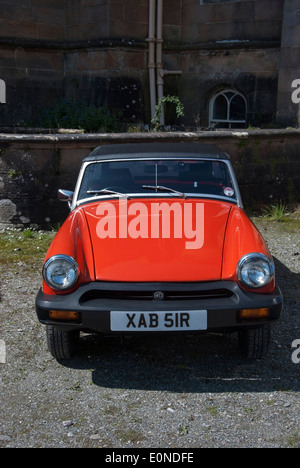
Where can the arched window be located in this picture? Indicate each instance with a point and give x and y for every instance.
(228, 109)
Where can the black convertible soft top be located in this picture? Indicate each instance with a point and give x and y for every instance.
(156, 150)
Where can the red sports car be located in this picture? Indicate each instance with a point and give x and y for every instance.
(157, 241)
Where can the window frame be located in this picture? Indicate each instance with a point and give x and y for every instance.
(237, 200)
(227, 121)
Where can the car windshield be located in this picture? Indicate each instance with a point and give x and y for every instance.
(177, 177)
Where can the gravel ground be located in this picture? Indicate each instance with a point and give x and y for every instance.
(184, 392)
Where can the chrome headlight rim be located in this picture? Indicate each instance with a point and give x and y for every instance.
(57, 258)
(258, 257)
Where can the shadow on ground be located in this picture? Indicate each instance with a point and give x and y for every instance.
(205, 363)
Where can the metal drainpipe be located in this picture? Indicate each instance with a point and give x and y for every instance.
(156, 66)
(151, 65)
(159, 64)
(160, 72)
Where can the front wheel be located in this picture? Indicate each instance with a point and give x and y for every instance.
(61, 344)
(254, 342)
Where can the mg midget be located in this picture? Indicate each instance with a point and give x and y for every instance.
(157, 241)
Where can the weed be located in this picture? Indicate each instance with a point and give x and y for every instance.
(111, 410)
(158, 109)
(294, 441)
(270, 402)
(27, 233)
(183, 430)
(130, 435)
(213, 410)
(13, 174)
(78, 115)
(276, 212)
(248, 410)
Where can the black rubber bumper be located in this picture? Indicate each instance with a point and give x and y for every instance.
(94, 302)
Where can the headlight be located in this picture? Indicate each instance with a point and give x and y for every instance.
(255, 270)
(60, 272)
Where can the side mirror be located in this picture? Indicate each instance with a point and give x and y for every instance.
(66, 196)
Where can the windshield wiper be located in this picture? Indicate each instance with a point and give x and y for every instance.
(163, 189)
(107, 192)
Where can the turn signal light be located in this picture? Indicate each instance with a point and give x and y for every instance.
(254, 313)
(63, 315)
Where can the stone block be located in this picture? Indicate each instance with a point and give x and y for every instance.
(291, 5)
(117, 12)
(268, 10)
(12, 11)
(98, 60)
(138, 13)
(48, 15)
(189, 32)
(290, 58)
(195, 14)
(290, 35)
(7, 59)
(47, 60)
(53, 4)
(74, 32)
(134, 60)
(232, 12)
(172, 15)
(171, 32)
(97, 30)
(51, 32)
(94, 14)
(26, 30)
(286, 77)
(130, 29)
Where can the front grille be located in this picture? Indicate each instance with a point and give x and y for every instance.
(148, 295)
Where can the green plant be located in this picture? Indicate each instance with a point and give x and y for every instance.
(27, 233)
(133, 129)
(276, 212)
(78, 115)
(13, 173)
(158, 109)
(183, 430)
(213, 410)
(294, 440)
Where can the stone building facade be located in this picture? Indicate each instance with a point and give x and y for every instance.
(231, 63)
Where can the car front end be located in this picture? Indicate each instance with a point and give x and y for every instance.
(157, 241)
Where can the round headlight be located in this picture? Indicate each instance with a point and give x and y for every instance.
(255, 270)
(60, 272)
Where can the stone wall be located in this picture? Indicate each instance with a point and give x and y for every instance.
(35, 20)
(251, 71)
(288, 113)
(32, 70)
(34, 167)
(96, 51)
(184, 20)
(220, 45)
(62, 49)
(208, 22)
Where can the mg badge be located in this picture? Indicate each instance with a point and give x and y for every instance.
(158, 296)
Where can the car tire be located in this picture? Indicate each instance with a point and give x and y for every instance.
(61, 344)
(254, 342)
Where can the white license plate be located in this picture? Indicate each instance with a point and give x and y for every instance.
(158, 321)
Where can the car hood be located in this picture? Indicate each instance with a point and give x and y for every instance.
(157, 240)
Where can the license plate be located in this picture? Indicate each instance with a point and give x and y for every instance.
(158, 321)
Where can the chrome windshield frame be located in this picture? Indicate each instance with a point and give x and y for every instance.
(237, 200)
